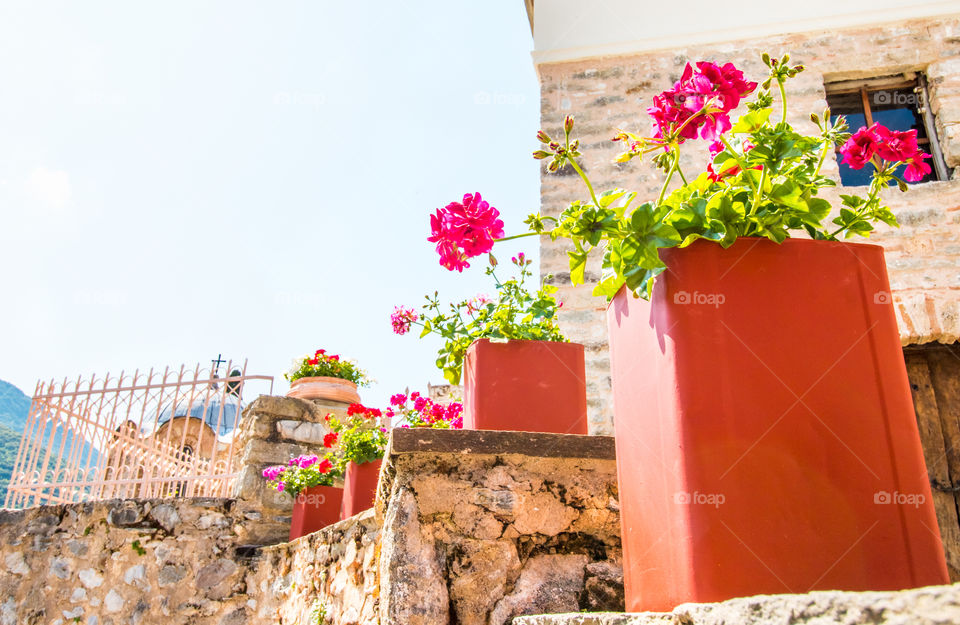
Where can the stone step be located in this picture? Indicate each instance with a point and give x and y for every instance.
(933, 605)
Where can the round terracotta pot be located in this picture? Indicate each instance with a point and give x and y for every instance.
(330, 389)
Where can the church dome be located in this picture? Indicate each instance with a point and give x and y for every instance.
(218, 413)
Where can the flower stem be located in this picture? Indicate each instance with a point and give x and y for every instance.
(823, 156)
(517, 236)
(759, 193)
(783, 99)
(673, 167)
(740, 161)
(586, 180)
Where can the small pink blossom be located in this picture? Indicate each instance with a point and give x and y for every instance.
(402, 318)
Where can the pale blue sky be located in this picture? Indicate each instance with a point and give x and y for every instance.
(181, 179)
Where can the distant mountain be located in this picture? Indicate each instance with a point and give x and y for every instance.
(9, 443)
(14, 406)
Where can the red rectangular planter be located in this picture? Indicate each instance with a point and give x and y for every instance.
(526, 386)
(314, 509)
(359, 487)
(766, 437)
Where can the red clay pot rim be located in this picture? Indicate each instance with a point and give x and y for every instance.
(787, 241)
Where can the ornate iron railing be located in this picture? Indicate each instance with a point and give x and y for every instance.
(154, 434)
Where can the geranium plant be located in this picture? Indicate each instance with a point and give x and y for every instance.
(515, 313)
(322, 364)
(301, 473)
(360, 437)
(417, 411)
(763, 180)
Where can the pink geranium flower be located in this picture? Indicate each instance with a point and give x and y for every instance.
(860, 148)
(402, 318)
(718, 88)
(465, 229)
(893, 146)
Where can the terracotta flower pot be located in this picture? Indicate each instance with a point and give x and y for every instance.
(525, 386)
(359, 487)
(314, 509)
(766, 437)
(330, 389)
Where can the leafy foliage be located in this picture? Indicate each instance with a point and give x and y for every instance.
(763, 182)
(322, 364)
(302, 473)
(516, 314)
(361, 436)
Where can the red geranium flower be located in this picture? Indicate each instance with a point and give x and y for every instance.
(330, 439)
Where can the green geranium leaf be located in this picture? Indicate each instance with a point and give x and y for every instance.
(578, 263)
(751, 122)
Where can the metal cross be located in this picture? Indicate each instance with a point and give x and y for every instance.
(216, 365)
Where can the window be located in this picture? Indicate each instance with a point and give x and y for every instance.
(898, 102)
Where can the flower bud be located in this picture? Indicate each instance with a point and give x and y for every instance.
(765, 58)
(575, 145)
(554, 165)
(902, 185)
(543, 137)
(815, 118)
(799, 68)
(540, 154)
(568, 124)
(492, 259)
(554, 146)
(785, 58)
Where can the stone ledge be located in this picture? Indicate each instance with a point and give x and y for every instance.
(933, 605)
(486, 442)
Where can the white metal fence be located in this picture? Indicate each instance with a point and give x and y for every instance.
(156, 434)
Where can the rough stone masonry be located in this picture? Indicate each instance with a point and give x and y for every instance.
(606, 93)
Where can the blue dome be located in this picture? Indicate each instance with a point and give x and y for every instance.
(217, 412)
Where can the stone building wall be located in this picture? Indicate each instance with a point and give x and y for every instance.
(613, 92)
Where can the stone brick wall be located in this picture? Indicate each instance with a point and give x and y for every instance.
(327, 577)
(479, 527)
(611, 92)
(131, 562)
(470, 527)
(273, 430)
